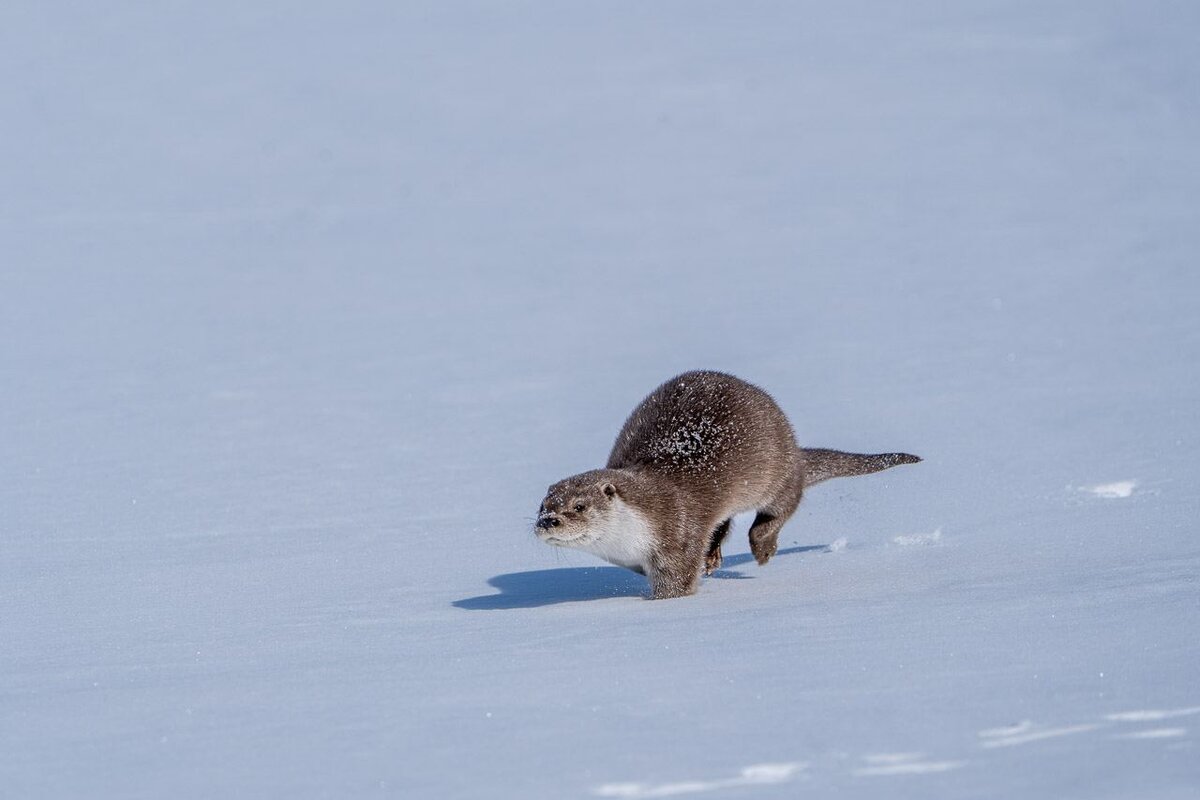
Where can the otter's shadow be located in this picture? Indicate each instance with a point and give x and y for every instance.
(544, 587)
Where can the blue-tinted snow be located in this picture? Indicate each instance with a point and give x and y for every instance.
(303, 306)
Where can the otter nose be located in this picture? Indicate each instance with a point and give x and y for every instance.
(548, 522)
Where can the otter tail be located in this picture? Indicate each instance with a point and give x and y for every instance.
(821, 464)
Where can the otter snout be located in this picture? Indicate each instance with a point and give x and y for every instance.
(548, 521)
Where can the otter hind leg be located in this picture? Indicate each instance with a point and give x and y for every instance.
(764, 532)
(764, 536)
(712, 560)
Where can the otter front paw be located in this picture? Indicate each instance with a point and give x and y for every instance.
(664, 586)
(667, 593)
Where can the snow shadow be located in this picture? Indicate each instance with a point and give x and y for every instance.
(543, 587)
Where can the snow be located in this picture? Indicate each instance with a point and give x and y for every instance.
(1152, 715)
(935, 537)
(1155, 733)
(755, 774)
(304, 307)
(1035, 735)
(1114, 490)
(904, 764)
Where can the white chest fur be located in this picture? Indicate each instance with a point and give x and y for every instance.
(623, 537)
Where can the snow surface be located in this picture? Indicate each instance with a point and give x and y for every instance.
(304, 305)
(1114, 491)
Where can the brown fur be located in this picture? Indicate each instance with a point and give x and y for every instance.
(699, 449)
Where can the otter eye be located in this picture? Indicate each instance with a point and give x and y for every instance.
(579, 508)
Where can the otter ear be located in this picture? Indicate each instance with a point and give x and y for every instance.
(609, 490)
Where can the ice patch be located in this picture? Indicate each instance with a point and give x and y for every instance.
(903, 764)
(1112, 491)
(1154, 733)
(1152, 716)
(837, 545)
(753, 775)
(919, 538)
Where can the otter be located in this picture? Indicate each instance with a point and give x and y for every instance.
(699, 449)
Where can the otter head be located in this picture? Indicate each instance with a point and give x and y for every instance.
(575, 510)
